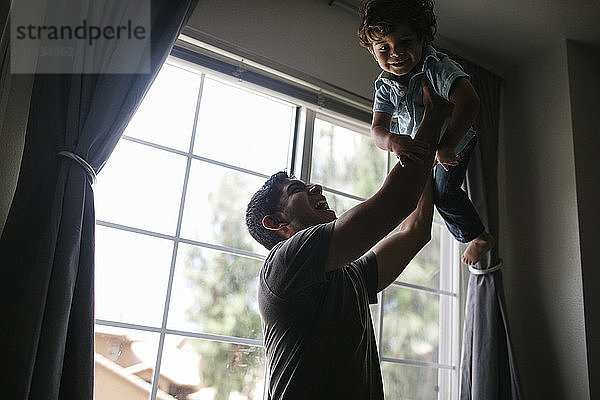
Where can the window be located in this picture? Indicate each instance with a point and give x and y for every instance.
(176, 270)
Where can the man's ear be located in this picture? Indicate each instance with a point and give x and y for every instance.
(272, 223)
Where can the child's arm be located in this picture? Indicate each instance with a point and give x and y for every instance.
(466, 106)
(402, 145)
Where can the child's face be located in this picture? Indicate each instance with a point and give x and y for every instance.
(399, 52)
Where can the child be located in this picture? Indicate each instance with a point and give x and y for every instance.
(398, 34)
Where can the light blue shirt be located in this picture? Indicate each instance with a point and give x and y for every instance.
(406, 103)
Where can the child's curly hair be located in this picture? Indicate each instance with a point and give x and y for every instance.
(381, 17)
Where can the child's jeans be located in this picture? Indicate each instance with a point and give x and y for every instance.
(452, 202)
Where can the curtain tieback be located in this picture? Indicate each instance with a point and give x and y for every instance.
(476, 271)
(79, 160)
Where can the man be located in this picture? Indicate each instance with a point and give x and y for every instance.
(319, 277)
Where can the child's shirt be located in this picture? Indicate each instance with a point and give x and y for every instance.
(406, 103)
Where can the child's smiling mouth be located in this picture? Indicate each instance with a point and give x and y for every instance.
(400, 63)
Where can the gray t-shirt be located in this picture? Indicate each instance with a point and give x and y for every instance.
(317, 325)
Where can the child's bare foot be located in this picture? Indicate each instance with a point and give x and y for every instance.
(477, 248)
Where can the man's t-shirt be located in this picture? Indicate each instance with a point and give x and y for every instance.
(317, 325)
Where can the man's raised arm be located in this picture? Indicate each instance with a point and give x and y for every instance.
(398, 249)
(360, 228)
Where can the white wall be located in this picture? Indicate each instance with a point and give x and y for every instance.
(308, 36)
(584, 64)
(539, 229)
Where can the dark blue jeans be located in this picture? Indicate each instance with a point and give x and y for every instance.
(452, 202)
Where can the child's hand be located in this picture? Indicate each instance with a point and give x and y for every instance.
(407, 148)
(447, 158)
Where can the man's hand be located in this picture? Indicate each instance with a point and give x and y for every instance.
(407, 148)
(446, 157)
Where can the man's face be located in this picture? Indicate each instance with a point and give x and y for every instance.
(304, 205)
(399, 52)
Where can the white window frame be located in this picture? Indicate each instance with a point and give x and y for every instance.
(299, 163)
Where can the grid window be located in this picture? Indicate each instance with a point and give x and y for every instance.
(123, 258)
(401, 381)
(176, 270)
(410, 324)
(168, 123)
(117, 350)
(215, 206)
(215, 292)
(252, 130)
(345, 161)
(220, 370)
(141, 187)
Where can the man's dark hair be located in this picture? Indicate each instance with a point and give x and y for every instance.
(265, 202)
(381, 17)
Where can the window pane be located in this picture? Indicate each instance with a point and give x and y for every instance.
(141, 187)
(124, 361)
(243, 128)
(392, 160)
(375, 320)
(215, 292)
(215, 206)
(424, 269)
(123, 260)
(407, 382)
(437, 217)
(410, 324)
(346, 161)
(199, 369)
(340, 204)
(166, 115)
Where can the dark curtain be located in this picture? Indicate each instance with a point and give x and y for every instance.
(47, 246)
(488, 368)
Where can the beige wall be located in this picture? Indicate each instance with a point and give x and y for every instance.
(308, 36)
(110, 385)
(540, 229)
(584, 76)
(112, 382)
